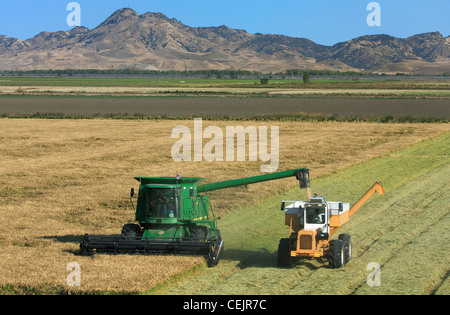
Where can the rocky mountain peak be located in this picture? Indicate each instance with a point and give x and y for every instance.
(78, 30)
(120, 15)
(127, 39)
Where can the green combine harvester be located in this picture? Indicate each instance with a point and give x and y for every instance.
(174, 216)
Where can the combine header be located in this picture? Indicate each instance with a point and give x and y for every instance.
(174, 216)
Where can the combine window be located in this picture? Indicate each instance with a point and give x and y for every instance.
(163, 203)
(315, 215)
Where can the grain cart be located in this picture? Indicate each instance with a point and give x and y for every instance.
(312, 224)
(174, 216)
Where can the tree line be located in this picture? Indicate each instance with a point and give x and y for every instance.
(71, 72)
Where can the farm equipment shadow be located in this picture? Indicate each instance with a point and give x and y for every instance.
(248, 258)
(260, 259)
(76, 239)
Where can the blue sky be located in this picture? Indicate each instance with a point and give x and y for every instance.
(323, 21)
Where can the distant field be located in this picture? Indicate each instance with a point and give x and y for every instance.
(121, 82)
(280, 108)
(60, 179)
(350, 82)
(225, 87)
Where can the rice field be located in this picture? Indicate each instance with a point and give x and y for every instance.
(219, 108)
(61, 179)
(402, 233)
(378, 87)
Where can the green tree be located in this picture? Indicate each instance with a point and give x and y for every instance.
(306, 77)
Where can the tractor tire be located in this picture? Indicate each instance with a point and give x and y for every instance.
(200, 233)
(336, 254)
(347, 243)
(215, 253)
(131, 231)
(284, 258)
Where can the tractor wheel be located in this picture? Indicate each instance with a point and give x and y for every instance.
(83, 247)
(284, 258)
(215, 253)
(131, 231)
(336, 254)
(200, 233)
(347, 243)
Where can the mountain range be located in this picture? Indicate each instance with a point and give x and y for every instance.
(152, 41)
